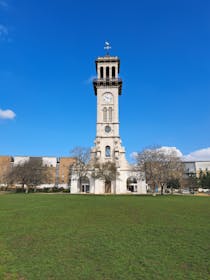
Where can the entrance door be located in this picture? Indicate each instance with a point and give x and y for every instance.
(108, 187)
(85, 188)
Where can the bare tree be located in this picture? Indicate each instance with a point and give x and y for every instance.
(159, 166)
(82, 165)
(30, 173)
(174, 170)
(106, 171)
(190, 181)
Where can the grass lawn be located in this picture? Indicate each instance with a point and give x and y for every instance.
(45, 236)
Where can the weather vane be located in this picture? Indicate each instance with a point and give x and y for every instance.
(107, 47)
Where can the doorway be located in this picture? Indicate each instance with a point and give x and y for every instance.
(84, 185)
(108, 187)
(132, 184)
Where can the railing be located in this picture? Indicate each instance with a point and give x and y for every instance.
(108, 82)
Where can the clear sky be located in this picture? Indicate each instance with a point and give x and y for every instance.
(47, 54)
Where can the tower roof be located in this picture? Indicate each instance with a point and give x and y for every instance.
(108, 58)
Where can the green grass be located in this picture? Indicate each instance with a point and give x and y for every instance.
(104, 237)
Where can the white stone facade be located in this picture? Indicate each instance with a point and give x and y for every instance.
(108, 145)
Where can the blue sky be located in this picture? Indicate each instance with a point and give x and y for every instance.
(47, 54)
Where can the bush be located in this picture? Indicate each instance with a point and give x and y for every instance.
(3, 188)
(66, 190)
(19, 190)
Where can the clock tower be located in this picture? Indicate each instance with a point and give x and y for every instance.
(108, 147)
(108, 88)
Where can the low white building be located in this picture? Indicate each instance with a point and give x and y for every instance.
(195, 167)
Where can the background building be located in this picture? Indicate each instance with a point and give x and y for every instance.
(5, 165)
(58, 168)
(195, 167)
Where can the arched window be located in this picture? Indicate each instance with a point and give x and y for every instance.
(105, 114)
(101, 72)
(107, 72)
(108, 151)
(113, 72)
(110, 114)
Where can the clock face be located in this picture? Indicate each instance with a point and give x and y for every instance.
(107, 128)
(107, 98)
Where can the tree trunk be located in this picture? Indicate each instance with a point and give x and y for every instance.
(161, 189)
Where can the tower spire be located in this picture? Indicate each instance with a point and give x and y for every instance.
(107, 47)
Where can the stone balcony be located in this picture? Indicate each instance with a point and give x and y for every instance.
(107, 83)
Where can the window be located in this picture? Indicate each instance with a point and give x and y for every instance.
(107, 72)
(107, 128)
(108, 151)
(110, 114)
(101, 72)
(105, 114)
(113, 72)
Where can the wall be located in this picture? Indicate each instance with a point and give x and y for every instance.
(5, 164)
